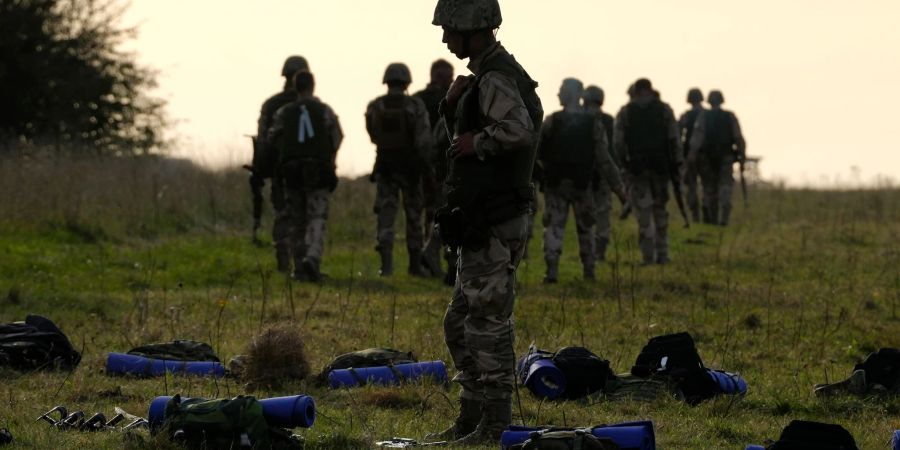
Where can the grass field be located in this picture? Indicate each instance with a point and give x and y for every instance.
(125, 252)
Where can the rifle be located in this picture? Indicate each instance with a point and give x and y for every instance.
(256, 191)
(675, 177)
(742, 162)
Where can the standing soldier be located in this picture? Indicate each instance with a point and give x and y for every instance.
(607, 177)
(647, 140)
(398, 126)
(494, 117)
(265, 157)
(686, 122)
(431, 96)
(716, 144)
(307, 135)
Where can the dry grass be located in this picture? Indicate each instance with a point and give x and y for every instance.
(276, 356)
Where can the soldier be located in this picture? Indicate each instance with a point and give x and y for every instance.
(686, 122)
(647, 141)
(265, 158)
(307, 134)
(494, 117)
(716, 144)
(398, 125)
(607, 176)
(431, 96)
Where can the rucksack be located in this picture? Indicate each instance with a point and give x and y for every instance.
(372, 357)
(179, 350)
(224, 423)
(802, 435)
(586, 373)
(565, 440)
(882, 368)
(35, 344)
(675, 356)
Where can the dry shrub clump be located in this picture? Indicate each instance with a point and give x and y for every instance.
(276, 356)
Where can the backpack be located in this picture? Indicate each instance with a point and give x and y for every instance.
(224, 423)
(882, 368)
(35, 344)
(372, 357)
(179, 350)
(802, 435)
(585, 372)
(675, 356)
(565, 440)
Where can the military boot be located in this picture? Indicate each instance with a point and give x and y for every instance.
(589, 274)
(707, 216)
(552, 276)
(726, 216)
(495, 419)
(283, 259)
(602, 245)
(465, 423)
(648, 252)
(713, 214)
(310, 268)
(415, 264)
(387, 261)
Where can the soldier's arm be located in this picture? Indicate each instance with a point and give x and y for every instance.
(697, 136)
(263, 125)
(370, 114)
(333, 124)
(605, 163)
(275, 131)
(619, 147)
(510, 128)
(422, 128)
(739, 142)
(674, 135)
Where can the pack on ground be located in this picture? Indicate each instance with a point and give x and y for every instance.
(35, 344)
(372, 357)
(803, 435)
(566, 440)
(234, 423)
(878, 373)
(585, 372)
(180, 350)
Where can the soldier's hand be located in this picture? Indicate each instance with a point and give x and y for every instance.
(463, 146)
(457, 88)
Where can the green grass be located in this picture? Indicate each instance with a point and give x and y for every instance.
(801, 287)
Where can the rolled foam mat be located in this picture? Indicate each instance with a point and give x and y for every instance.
(122, 364)
(628, 436)
(730, 383)
(755, 447)
(545, 379)
(385, 376)
(896, 442)
(296, 411)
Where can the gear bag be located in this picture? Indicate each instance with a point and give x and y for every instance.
(568, 153)
(882, 368)
(372, 357)
(565, 440)
(585, 372)
(675, 356)
(802, 435)
(646, 138)
(392, 126)
(179, 350)
(37, 343)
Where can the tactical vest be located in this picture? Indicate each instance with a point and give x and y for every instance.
(609, 124)
(719, 138)
(307, 149)
(393, 128)
(499, 186)
(569, 151)
(265, 155)
(646, 137)
(431, 96)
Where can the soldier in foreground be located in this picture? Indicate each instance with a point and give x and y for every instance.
(307, 135)
(716, 144)
(398, 125)
(436, 170)
(686, 123)
(607, 176)
(494, 118)
(265, 157)
(648, 141)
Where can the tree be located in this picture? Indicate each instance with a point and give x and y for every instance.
(66, 82)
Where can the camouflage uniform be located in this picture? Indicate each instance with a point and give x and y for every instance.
(308, 135)
(398, 124)
(648, 141)
(686, 123)
(716, 144)
(607, 176)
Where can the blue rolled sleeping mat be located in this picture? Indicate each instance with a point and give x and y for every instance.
(387, 375)
(755, 447)
(541, 376)
(628, 436)
(122, 364)
(296, 411)
(729, 383)
(896, 442)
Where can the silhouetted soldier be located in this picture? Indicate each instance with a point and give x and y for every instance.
(307, 135)
(647, 140)
(398, 125)
(607, 175)
(686, 122)
(433, 189)
(265, 157)
(494, 117)
(716, 144)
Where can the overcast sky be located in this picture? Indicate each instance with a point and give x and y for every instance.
(814, 82)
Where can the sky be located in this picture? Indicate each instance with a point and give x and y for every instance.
(813, 82)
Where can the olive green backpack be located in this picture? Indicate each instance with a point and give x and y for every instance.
(224, 423)
(566, 440)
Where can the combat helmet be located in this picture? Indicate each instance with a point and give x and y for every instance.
(695, 96)
(716, 98)
(593, 94)
(468, 15)
(293, 65)
(397, 73)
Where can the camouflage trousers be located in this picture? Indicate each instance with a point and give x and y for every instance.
(603, 204)
(649, 196)
(692, 192)
(478, 325)
(387, 204)
(281, 228)
(307, 214)
(717, 177)
(557, 201)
